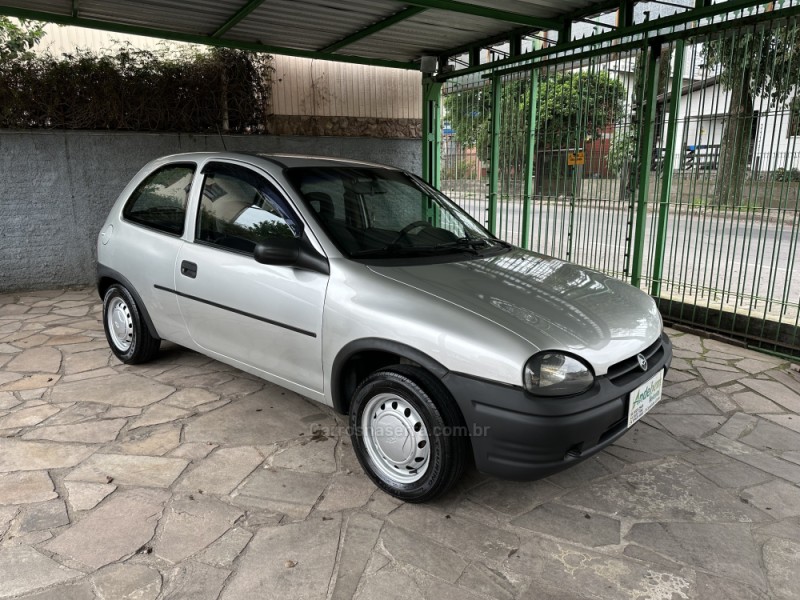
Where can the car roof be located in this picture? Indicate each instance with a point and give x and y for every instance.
(283, 161)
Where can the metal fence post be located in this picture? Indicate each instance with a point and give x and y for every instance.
(431, 131)
(494, 161)
(648, 117)
(527, 200)
(669, 158)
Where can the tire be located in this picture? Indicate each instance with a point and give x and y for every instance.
(414, 404)
(126, 331)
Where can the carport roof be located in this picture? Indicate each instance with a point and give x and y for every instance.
(387, 32)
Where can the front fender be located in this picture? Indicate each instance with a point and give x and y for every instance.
(350, 349)
(367, 311)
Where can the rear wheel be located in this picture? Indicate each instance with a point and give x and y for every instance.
(408, 434)
(126, 331)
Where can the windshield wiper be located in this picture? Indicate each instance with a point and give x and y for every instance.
(472, 244)
(391, 249)
(412, 250)
(464, 242)
(468, 245)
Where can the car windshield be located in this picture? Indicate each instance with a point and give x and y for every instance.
(376, 213)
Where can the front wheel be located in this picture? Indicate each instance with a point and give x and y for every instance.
(126, 331)
(408, 434)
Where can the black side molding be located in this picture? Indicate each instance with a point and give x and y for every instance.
(105, 273)
(237, 311)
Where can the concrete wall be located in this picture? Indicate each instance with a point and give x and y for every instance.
(56, 188)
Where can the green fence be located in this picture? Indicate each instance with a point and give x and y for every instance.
(670, 158)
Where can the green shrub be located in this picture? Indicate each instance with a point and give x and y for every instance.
(458, 170)
(137, 90)
(787, 175)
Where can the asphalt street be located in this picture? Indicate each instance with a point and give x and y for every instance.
(734, 260)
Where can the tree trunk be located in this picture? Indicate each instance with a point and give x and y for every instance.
(624, 182)
(735, 148)
(226, 125)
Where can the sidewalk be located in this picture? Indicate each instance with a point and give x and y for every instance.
(185, 478)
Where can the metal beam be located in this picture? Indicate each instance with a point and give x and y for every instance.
(672, 4)
(565, 33)
(486, 12)
(375, 28)
(643, 29)
(598, 24)
(530, 159)
(60, 19)
(574, 59)
(494, 161)
(668, 168)
(596, 9)
(625, 13)
(431, 131)
(474, 57)
(488, 41)
(648, 117)
(238, 16)
(753, 23)
(516, 44)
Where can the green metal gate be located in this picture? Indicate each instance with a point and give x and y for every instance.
(669, 158)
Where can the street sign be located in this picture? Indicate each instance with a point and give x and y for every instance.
(576, 158)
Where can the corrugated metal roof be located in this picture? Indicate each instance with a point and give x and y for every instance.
(539, 8)
(307, 25)
(198, 16)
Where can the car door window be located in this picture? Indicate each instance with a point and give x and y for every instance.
(240, 209)
(159, 201)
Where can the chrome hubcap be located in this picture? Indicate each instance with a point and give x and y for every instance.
(120, 324)
(395, 438)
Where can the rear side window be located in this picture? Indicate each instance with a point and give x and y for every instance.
(160, 200)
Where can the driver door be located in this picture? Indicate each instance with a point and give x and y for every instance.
(263, 316)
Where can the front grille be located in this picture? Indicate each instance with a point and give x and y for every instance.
(628, 370)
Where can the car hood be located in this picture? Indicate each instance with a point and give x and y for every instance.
(553, 304)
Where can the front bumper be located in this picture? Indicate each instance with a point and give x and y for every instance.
(516, 435)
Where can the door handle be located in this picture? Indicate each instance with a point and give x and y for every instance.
(189, 269)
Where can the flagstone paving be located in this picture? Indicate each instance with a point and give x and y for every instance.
(185, 478)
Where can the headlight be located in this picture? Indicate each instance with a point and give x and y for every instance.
(556, 374)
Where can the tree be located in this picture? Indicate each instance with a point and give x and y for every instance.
(624, 147)
(753, 64)
(17, 38)
(572, 107)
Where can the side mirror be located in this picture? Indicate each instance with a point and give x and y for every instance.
(282, 251)
(291, 252)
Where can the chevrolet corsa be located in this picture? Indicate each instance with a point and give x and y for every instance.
(362, 287)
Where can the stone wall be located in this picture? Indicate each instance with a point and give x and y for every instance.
(56, 188)
(344, 126)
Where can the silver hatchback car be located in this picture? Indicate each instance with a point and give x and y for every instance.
(360, 286)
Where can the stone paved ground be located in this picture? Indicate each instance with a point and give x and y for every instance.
(185, 478)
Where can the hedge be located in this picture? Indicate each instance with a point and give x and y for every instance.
(138, 90)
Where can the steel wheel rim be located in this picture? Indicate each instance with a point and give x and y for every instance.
(120, 324)
(395, 438)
